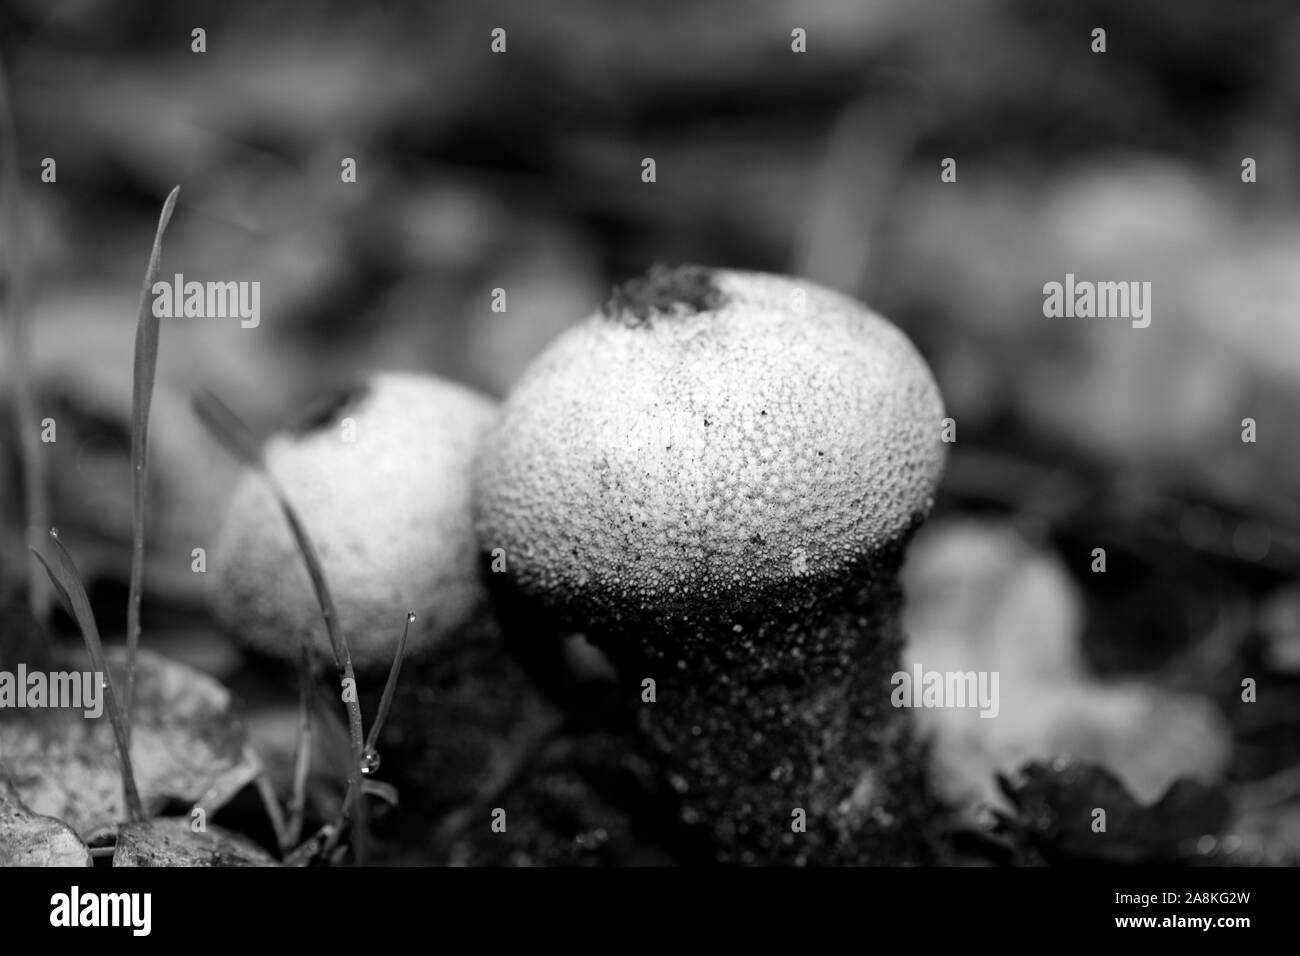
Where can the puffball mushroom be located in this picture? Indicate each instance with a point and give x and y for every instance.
(381, 478)
(714, 478)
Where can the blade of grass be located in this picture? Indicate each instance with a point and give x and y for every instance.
(302, 748)
(26, 421)
(342, 662)
(227, 428)
(271, 804)
(310, 848)
(146, 368)
(390, 686)
(67, 583)
(385, 703)
(231, 433)
(381, 791)
(334, 830)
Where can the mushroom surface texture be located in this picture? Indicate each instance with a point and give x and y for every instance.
(381, 478)
(714, 478)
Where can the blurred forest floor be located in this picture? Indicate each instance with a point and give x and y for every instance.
(522, 171)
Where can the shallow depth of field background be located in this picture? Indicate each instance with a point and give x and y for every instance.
(522, 171)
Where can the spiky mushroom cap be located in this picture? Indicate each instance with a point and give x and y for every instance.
(381, 477)
(710, 439)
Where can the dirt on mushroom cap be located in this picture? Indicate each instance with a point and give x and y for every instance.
(698, 455)
(388, 508)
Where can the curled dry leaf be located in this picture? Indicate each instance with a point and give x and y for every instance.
(171, 841)
(983, 600)
(186, 746)
(29, 839)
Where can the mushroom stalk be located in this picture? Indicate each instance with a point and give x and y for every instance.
(776, 725)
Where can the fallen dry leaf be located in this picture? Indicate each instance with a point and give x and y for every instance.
(186, 746)
(29, 839)
(171, 841)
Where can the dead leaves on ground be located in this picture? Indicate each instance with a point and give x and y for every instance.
(187, 746)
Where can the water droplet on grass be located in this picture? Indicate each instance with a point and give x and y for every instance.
(369, 763)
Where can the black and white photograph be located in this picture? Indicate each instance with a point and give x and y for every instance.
(786, 434)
